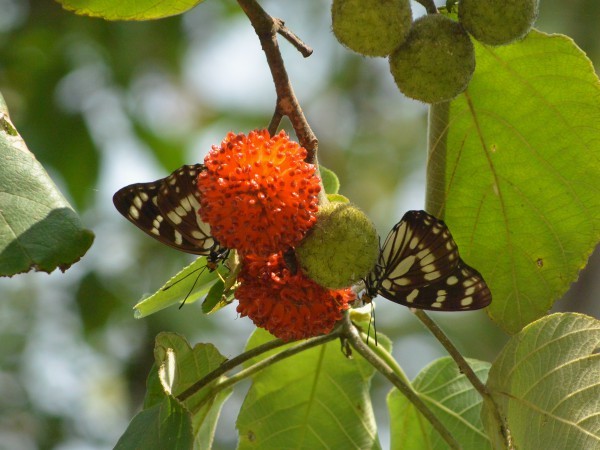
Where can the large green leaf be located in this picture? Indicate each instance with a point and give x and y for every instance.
(453, 400)
(128, 9)
(316, 399)
(546, 382)
(178, 366)
(520, 186)
(165, 425)
(38, 228)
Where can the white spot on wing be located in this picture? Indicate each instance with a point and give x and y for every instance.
(134, 212)
(452, 280)
(413, 294)
(403, 266)
(428, 259)
(432, 275)
(413, 243)
(467, 301)
(174, 217)
(178, 238)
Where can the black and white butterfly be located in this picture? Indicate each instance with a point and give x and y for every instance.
(419, 267)
(167, 210)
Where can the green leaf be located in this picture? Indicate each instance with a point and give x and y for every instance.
(315, 399)
(331, 182)
(38, 228)
(546, 382)
(214, 299)
(128, 9)
(165, 425)
(520, 186)
(453, 400)
(179, 367)
(190, 284)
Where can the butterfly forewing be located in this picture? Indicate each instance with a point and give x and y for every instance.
(419, 266)
(166, 209)
(179, 202)
(418, 251)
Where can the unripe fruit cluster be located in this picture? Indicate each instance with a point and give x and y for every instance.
(498, 22)
(341, 248)
(431, 59)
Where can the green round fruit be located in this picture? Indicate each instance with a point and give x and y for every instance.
(436, 62)
(371, 27)
(498, 22)
(341, 248)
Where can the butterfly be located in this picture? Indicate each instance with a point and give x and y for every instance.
(419, 267)
(167, 210)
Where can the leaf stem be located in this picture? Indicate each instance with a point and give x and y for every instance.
(266, 27)
(435, 200)
(386, 357)
(249, 371)
(353, 336)
(229, 365)
(465, 369)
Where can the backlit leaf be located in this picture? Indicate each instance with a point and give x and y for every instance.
(520, 186)
(546, 382)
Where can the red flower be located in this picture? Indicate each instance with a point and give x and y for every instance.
(289, 306)
(258, 194)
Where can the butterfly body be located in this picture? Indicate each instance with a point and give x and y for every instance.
(167, 210)
(419, 266)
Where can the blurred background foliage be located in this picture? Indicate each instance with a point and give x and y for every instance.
(103, 105)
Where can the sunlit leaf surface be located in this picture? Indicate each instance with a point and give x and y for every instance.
(452, 399)
(546, 382)
(522, 196)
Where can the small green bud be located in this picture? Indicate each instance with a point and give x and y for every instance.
(371, 27)
(498, 22)
(436, 62)
(341, 248)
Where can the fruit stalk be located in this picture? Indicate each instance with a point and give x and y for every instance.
(435, 196)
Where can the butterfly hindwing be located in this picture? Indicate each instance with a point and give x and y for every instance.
(419, 266)
(166, 209)
(462, 290)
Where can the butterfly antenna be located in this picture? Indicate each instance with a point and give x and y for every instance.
(192, 288)
(187, 275)
(372, 320)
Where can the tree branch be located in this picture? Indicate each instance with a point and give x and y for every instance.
(267, 28)
(353, 336)
(465, 369)
(429, 6)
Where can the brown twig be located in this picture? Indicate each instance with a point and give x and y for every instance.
(304, 49)
(429, 6)
(267, 28)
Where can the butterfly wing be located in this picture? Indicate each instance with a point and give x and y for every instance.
(164, 210)
(418, 251)
(419, 266)
(179, 202)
